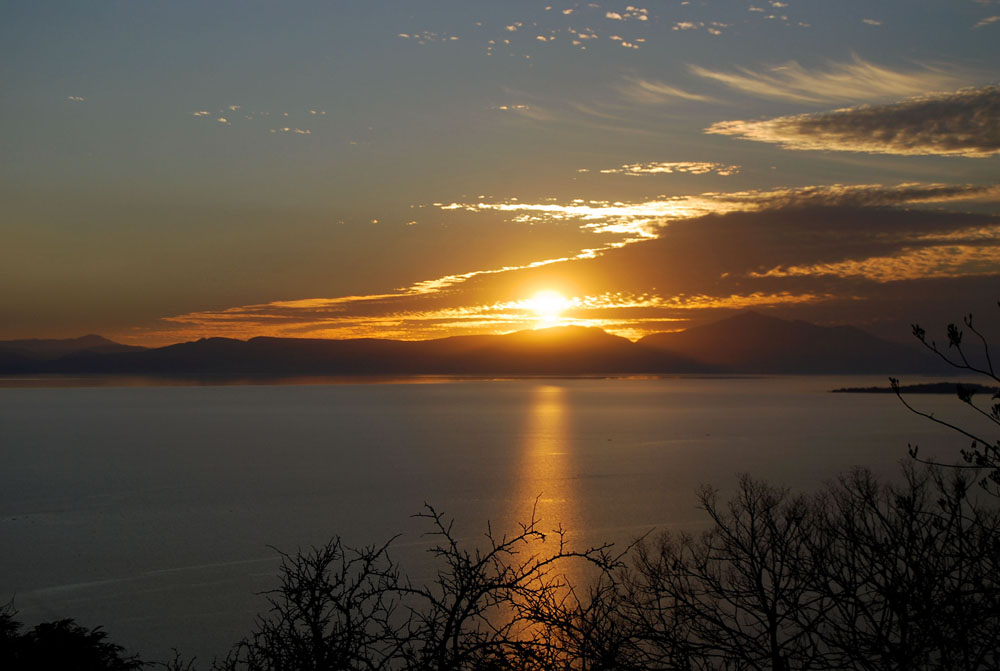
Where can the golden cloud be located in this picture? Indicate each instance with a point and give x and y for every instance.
(856, 80)
(657, 168)
(942, 261)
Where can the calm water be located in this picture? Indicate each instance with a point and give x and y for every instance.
(149, 510)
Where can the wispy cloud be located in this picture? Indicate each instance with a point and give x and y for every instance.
(667, 168)
(856, 80)
(940, 261)
(76, 99)
(963, 123)
(987, 21)
(644, 220)
(860, 195)
(654, 92)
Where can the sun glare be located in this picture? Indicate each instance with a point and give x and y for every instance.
(547, 305)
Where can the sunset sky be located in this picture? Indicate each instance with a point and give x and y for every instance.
(423, 168)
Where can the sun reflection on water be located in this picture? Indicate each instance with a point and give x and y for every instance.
(545, 473)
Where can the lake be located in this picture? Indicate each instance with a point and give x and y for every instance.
(149, 509)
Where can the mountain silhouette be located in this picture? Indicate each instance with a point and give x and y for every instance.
(745, 343)
(52, 348)
(750, 342)
(35, 354)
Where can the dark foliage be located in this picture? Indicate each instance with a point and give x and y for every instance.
(62, 644)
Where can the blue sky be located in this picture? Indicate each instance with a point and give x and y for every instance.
(420, 169)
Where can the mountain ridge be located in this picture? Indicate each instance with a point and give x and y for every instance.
(750, 342)
(745, 343)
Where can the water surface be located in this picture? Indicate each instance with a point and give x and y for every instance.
(149, 509)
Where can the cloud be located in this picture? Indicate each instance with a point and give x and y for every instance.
(801, 252)
(987, 21)
(859, 195)
(76, 99)
(857, 80)
(426, 36)
(647, 219)
(939, 261)
(963, 123)
(654, 92)
(657, 168)
(630, 14)
(237, 114)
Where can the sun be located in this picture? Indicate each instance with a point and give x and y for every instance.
(547, 305)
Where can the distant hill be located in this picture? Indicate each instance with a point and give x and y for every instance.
(51, 349)
(750, 342)
(568, 350)
(746, 343)
(34, 355)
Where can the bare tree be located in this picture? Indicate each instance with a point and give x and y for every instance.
(339, 608)
(735, 597)
(909, 572)
(336, 608)
(983, 453)
(488, 607)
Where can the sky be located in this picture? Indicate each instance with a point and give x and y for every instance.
(426, 168)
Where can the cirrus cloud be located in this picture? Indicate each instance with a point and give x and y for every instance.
(853, 81)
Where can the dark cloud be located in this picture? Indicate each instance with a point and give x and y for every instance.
(842, 262)
(861, 195)
(846, 253)
(963, 123)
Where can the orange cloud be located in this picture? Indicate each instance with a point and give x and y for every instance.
(787, 249)
(942, 261)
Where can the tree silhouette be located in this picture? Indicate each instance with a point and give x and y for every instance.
(341, 608)
(983, 453)
(62, 644)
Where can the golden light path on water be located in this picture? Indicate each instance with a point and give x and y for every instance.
(546, 482)
(544, 472)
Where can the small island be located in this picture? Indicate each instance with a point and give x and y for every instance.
(923, 388)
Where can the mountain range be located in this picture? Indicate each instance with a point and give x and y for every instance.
(747, 343)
